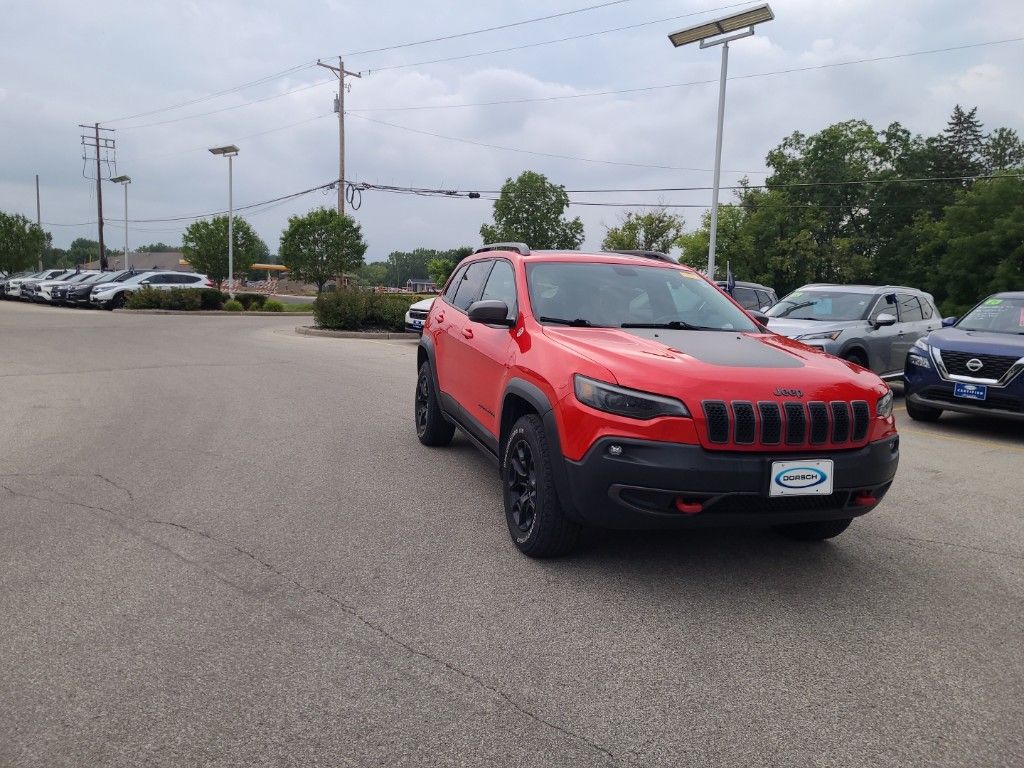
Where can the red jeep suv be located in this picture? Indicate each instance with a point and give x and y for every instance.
(627, 391)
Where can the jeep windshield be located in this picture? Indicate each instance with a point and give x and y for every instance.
(995, 316)
(596, 295)
(824, 305)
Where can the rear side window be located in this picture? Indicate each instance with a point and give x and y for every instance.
(910, 308)
(765, 298)
(188, 279)
(471, 284)
(745, 297)
(501, 286)
(927, 310)
(453, 286)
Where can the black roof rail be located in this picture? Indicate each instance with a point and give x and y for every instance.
(521, 248)
(657, 255)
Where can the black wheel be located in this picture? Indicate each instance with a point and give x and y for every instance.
(922, 412)
(857, 358)
(536, 520)
(118, 301)
(432, 428)
(816, 531)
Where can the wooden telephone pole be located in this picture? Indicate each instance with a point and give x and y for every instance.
(339, 107)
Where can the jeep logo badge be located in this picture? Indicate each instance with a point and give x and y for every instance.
(780, 392)
(974, 365)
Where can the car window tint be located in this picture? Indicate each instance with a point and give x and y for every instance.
(764, 299)
(453, 286)
(910, 308)
(885, 305)
(501, 286)
(746, 297)
(471, 284)
(927, 310)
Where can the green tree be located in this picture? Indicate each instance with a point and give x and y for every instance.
(21, 242)
(441, 267)
(961, 144)
(83, 250)
(158, 248)
(1003, 150)
(529, 210)
(322, 245)
(205, 245)
(730, 245)
(373, 274)
(655, 230)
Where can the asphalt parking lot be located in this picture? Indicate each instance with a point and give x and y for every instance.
(222, 544)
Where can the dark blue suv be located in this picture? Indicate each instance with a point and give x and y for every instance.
(973, 365)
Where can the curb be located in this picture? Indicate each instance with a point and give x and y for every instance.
(306, 330)
(206, 312)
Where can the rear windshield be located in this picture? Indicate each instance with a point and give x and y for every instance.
(995, 316)
(621, 295)
(824, 305)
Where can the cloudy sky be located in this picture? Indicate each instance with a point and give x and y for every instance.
(66, 63)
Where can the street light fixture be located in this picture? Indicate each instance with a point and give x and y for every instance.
(124, 180)
(230, 152)
(721, 32)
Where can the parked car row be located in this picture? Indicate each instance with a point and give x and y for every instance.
(92, 288)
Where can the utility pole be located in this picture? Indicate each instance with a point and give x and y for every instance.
(339, 107)
(39, 223)
(104, 154)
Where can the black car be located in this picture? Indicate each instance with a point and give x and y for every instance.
(751, 295)
(78, 295)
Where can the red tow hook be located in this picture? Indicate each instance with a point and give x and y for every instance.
(688, 507)
(864, 499)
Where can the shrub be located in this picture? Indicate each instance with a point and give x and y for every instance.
(211, 298)
(233, 305)
(273, 305)
(355, 310)
(251, 301)
(144, 298)
(181, 299)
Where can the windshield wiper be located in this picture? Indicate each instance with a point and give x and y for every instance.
(579, 322)
(675, 325)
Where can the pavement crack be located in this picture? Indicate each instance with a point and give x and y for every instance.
(383, 632)
(121, 488)
(971, 547)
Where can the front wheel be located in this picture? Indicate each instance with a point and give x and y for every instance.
(535, 518)
(819, 530)
(118, 301)
(432, 428)
(922, 412)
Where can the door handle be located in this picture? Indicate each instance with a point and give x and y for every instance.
(467, 332)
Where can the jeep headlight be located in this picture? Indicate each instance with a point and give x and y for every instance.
(625, 402)
(884, 407)
(823, 336)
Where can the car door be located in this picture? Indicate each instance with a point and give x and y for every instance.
(489, 350)
(443, 313)
(456, 363)
(911, 327)
(880, 341)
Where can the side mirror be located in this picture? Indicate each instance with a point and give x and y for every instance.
(490, 313)
(948, 321)
(758, 317)
(884, 319)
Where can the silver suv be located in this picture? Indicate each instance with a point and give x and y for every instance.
(872, 326)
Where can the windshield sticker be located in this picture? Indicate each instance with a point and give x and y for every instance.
(993, 302)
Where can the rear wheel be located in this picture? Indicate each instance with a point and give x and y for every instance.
(922, 412)
(432, 428)
(536, 521)
(819, 530)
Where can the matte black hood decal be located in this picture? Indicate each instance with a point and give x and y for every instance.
(726, 348)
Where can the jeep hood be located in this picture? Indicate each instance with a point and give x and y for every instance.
(715, 364)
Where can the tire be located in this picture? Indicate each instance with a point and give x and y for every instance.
(922, 412)
(857, 358)
(118, 301)
(818, 530)
(432, 428)
(536, 521)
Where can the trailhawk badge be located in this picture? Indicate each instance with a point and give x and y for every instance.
(801, 478)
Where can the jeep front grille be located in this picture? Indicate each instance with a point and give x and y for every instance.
(815, 424)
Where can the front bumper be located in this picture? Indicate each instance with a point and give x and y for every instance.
(639, 488)
(923, 386)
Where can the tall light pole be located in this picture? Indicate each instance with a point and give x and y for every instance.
(125, 180)
(230, 152)
(721, 32)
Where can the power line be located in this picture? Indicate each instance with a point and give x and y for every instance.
(510, 25)
(532, 152)
(807, 184)
(554, 41)
(665, 86)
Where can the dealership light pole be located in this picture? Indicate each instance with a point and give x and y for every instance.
(230, 152)
(721, 32)
(125, 180)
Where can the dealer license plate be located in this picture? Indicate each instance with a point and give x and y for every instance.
(801, 478)
(970, 391)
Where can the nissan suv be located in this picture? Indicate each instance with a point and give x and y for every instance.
(628, 391)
